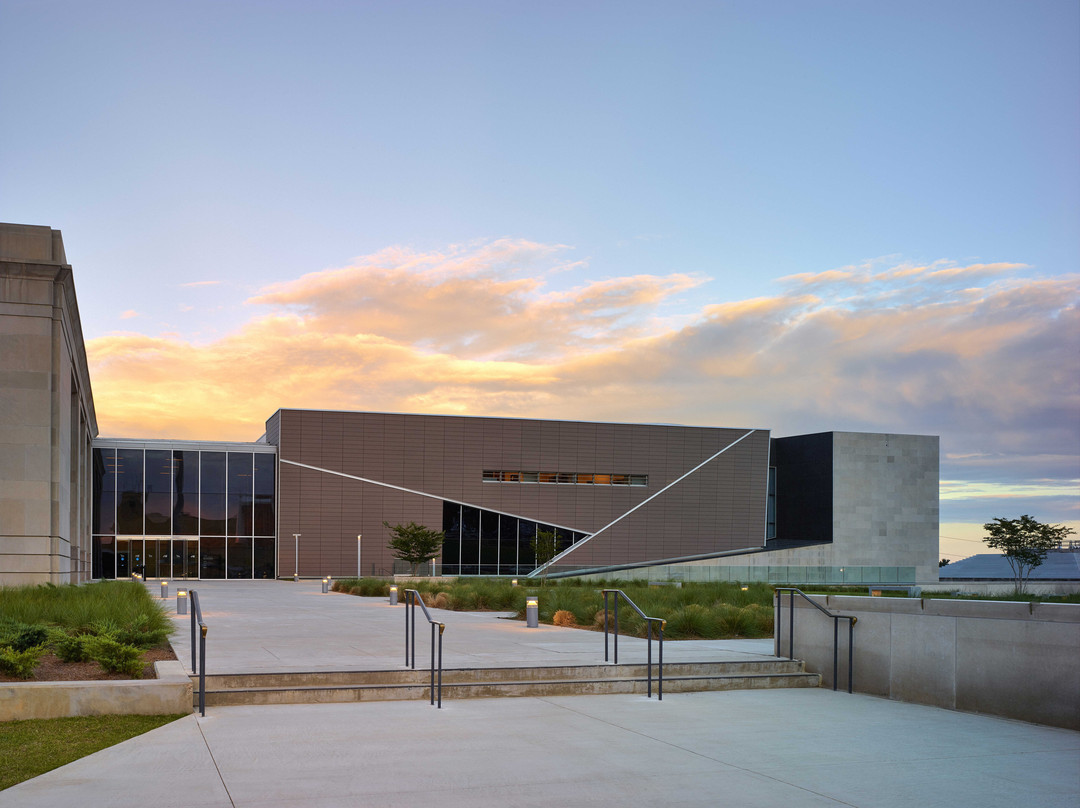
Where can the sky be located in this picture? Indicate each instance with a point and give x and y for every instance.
(801, 216)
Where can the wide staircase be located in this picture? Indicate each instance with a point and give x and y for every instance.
(465, 683)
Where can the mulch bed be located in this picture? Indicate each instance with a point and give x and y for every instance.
(52, 669)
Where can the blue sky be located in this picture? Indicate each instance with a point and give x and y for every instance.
(803, 216)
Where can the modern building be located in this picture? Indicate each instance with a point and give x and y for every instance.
(313, 495)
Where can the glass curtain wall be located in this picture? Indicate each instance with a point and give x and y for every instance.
(480, 542)
(191, 513)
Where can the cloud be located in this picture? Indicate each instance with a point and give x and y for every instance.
(199, 283)
(984, 355)
(129, 314)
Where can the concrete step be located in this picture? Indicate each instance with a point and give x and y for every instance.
(387, 685)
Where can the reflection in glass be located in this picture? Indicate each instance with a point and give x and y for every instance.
(451, 551)
(470, 540)
(212, 500)
(159, 497)
(129, 484)
(212, 558)
(240, 495)
(508, 545)
(264, 558)
(239, 557)
(123, 560)
(264, 495)
(186, 499)
(104, 511)
(489, 543)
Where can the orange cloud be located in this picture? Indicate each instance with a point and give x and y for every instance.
(990, 363)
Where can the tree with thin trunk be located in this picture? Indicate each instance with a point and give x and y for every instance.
(414, 543)
(546, 547)
(1024, 542)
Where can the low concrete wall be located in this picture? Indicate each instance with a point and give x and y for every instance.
(1012, 659)
(169, 693)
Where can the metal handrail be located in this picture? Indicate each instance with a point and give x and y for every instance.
(649, 621)
(196, 614)
(836, 618)
(412, 597)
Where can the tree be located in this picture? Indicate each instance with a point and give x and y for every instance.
(943, 563)
(414, 543)
(546, 548)
(1024, 542)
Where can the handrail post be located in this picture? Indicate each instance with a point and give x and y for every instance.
(414, 597)
(616, 628)
(776, 623)
(835, 630)
(649, 657)
(441, 627)
(605, 626)
(851, 652)
(406, 610)
(791, 625)
(432, 664)
(660, 669)
(194, 609)
(202, 672)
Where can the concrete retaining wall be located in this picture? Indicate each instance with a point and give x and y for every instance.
(1011, 659)
(169, 693)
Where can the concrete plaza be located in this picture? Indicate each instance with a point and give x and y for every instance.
(752, 748)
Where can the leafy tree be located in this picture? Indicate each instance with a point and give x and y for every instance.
(546, 548)
(414, 543)
(1024, 542)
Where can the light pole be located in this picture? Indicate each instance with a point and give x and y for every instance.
(296, 557)
(359, 568)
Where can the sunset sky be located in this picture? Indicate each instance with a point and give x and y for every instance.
(801, 216)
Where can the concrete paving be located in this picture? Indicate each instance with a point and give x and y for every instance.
(273, 626)
(751, 748)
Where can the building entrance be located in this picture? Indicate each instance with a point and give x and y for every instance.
(157, 558)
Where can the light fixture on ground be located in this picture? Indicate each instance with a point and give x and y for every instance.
(325, 585)
(181, 601)
(296, 557)
(164, 590)
(532, 611)
(513, 582)
(393, 596)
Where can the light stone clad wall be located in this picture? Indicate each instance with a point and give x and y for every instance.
(47, 415)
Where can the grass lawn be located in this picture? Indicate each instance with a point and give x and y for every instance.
(30, 748)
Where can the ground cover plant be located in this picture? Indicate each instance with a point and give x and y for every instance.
(102, 630)
(692, 611)
(30, 748)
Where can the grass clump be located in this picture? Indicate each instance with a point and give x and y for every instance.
(30, 748)
(693, 611)
(110, 622)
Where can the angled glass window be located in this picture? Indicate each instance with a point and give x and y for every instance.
(159, 492)
(129, 492)
(186, 493)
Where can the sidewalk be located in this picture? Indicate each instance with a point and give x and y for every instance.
(747, 748)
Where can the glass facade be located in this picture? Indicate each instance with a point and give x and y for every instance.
(183, 513)
(480, 542)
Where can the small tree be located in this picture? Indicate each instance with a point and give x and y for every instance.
(1024, 542)
(414, 543)
(545, 547)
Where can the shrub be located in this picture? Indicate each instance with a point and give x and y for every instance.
(115, 657)
(72, 649)
(22, 637)
(735, 622)
(442, 601)
(20, 664)
(564, 618)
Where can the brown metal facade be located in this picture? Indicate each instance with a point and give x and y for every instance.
(411, 464)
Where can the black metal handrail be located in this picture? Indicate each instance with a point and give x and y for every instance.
(412, 597)
(836, 618)
(649, 622)
(196, 615)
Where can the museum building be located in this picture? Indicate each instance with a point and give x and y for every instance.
(312, 496)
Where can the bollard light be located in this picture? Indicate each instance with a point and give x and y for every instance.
(513, 582)
(325, 585)
(164, 590)
(746, 589)
(393, 596)
(532, 611)
(181, 601)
